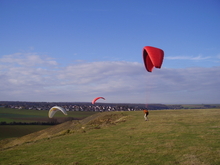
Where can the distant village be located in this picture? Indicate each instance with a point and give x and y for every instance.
(80, 106)
(99, 107)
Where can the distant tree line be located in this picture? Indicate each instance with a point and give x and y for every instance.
(28, 123)
(53, 121)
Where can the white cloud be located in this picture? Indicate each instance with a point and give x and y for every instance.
(188, 57)
(28, 78)
(26, 59)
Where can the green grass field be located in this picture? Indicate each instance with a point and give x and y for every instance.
(170, 137)
(22, 115)
(12, 131)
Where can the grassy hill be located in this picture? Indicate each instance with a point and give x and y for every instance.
(170, 137)
(19, 122)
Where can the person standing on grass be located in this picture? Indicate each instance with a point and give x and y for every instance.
(146, 113)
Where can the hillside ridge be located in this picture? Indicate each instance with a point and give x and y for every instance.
(95, 121)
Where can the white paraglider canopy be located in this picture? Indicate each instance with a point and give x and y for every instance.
(54, 109)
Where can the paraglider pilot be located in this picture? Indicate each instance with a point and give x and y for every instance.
(146, 113)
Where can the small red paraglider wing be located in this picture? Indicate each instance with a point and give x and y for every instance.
(153, 57)
(94, 100)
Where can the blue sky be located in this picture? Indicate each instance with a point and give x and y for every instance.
(70, 50)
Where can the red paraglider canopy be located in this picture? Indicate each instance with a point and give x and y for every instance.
(153, 57)
(94, 100)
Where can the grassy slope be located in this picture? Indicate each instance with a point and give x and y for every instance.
(170, 137)
(23, 115)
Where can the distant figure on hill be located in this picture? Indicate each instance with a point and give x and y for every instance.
(146, 113)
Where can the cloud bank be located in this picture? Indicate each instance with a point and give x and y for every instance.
(32, 77)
